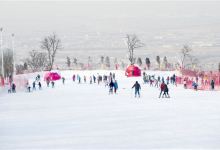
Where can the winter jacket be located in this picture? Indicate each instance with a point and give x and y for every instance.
(162, 86)
(136, 86)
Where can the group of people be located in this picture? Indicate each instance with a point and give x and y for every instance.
(159, 82)
(109, 81)
(34, 84)
(195, 84)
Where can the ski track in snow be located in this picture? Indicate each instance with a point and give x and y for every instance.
(84, 116)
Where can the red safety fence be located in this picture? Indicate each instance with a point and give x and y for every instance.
(202, 78)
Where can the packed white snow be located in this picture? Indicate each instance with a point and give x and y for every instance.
(84, 116)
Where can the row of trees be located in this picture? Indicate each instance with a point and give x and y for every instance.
(50, 45)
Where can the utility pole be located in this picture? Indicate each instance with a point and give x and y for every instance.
(13, 51)
(3, 74)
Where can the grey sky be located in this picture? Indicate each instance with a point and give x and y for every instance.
(99, 27)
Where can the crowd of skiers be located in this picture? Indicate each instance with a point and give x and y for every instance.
(112, 84)
(160, 82)
(109, 81)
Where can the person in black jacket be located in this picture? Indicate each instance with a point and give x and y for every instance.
(111, 85)
(212, 85)
(166, 91)
(137, 88)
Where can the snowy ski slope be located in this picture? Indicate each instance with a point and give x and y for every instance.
(84, 116)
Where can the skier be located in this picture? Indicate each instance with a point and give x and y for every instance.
(94, 79)
(166, 91)
(162, 88)
(79, 79)
(174, 79)
(52, 83)
(39, 84)
(151, 82)
(212, 85)
(90, 79)
(111, 85)
(38, 77)
(84, 79)
(115, 86)
(63, 80)
(13, 88)
(74, 78)
(195, 85)
(34, 85)
(156, 83)
(168, 79)
(185, 83)
(28, 87)
(137, 88)
(113, 75)
(48, 81)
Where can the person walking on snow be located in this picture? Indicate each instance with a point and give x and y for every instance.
(39, 85)
(63, 80)
(111, 85)
(13, 88)
(74, 78)
(52, 83)
(212, 85)
(166, 92)
(162, 87)
(34, 85)
(137, 88)
(115, 86)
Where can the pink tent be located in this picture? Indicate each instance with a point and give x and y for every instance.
(133, 71)
(52, 76)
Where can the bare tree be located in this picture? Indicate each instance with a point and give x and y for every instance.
(185, 52)
(25, 66)
(68, 61)
(8, 62)
(133, 43)
(37, 61)
(19, 69)
(193, 62)
(51, 44)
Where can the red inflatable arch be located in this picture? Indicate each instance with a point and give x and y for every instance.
(133, 71)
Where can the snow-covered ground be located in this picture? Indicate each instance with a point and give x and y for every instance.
(84, 116)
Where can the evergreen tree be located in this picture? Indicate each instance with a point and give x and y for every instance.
(158, 61)
(68, 62)
(147, 61)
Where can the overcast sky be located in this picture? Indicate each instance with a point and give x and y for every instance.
(101, 25)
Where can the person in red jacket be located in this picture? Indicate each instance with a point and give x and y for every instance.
(162, 88)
